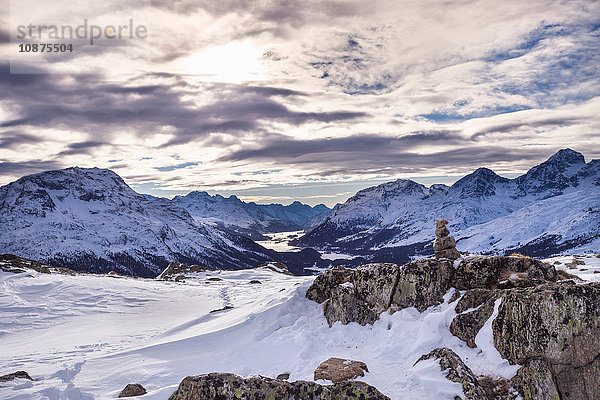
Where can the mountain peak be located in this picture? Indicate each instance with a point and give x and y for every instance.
(479, 183)
(566, 156)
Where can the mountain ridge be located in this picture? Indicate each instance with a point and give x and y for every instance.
(89, 218)
(249, 218)
(394, 225)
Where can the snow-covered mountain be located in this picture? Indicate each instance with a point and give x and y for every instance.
(250, 219)
(554, 207)
(89, 219)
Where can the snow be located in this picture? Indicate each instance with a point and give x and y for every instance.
(336, 256)
(588, 269)
(554, 206)
(485, 341)
(88, 214)
(434, 382)
(87, 336)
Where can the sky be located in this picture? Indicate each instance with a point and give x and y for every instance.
(277, 101)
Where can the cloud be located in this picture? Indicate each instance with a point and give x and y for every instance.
(95, 106)
(338, 90)
(27, 167)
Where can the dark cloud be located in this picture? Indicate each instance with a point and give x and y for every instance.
(281, 146)
(88, 104)
(513, 126)
(376, 154)
(81, 148)
(4, 37)
(12, 139)
(28, 167)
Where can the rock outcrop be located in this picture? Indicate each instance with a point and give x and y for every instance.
(444, 245)
(457, 372)
(176, 271)
(535, 381)
(559, 323)
(362, 294)
(550, 328)
(491, 272)
(217, 386)
(132, 390)
(340, 370)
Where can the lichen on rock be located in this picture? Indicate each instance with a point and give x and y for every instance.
(217, 386)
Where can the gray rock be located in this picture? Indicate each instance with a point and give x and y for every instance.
(132, 390)
(217, 386)
(444, 246)
(490, 271)
(474, 298)
(457, 372)
(361, 295)
(283, 377)
(559, 323)
(467, 325)
(321, 288)
(534, 381)
(176, 271)
(347, 306)
(340, 370)
(376, 284)
(422, 284)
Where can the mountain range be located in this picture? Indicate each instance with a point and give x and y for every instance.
(251, 219)
(90, 219)
(554, 207)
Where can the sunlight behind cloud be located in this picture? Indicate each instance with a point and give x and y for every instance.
(234, 62)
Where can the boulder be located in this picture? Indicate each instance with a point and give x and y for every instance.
(340, 370)
(15, 375)
(176, 271)
(474, 298)
(279, 267)
(346, 305)
(467, 325)
(422, 284)
(558, 323)
(458, 372)
(492, 272)
(361, 295)
(321, 288)
(132, 390)
(376, 284)
(218, 386)
(284, 377)
(534, 381)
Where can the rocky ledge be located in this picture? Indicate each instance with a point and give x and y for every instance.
(362, 294)
(548, 326)
(229, 386)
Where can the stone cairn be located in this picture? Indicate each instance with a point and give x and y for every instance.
(444, 245)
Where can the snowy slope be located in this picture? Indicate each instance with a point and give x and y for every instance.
(89, 219)
(549, 209)
(248, 218)
(87, 336)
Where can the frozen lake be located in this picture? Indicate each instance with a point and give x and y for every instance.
(280, 241)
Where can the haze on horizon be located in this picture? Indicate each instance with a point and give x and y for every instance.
(279, 101)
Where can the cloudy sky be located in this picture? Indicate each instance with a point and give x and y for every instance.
(311, 100)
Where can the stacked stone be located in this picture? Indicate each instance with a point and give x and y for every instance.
(444, 245)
